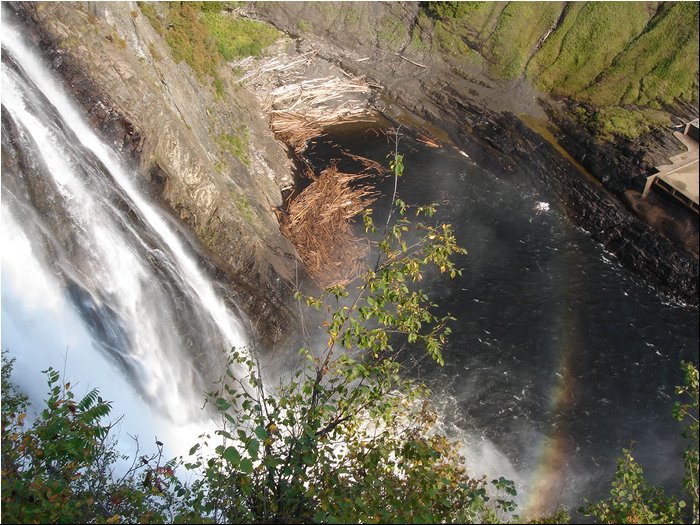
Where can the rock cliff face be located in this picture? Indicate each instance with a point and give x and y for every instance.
(604, 53)
(158, 114)
(173, 127)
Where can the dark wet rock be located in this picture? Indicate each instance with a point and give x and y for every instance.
(656, 259)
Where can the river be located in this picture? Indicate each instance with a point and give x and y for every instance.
(559, 357)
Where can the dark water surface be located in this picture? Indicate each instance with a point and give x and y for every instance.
(559, 357)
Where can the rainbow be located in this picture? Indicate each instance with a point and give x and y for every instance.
(549, 478)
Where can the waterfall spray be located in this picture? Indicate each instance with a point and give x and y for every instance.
(114, 298)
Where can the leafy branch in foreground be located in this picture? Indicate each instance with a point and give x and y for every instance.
(343, 439)
(62, 468)
(346, 439)
(633, 499)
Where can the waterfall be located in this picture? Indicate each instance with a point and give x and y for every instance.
(96, 281)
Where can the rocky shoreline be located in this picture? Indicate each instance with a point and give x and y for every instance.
(478, 115)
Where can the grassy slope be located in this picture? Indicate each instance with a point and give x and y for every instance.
(606, 53)
(617, 56)
(519, 28)
(476, 23)
(659, 66)
(459, 36)
(236, 37)
(589, 38)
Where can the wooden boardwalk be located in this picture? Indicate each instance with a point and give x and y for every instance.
(679, 179)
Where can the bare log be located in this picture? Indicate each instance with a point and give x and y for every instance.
(411, 61)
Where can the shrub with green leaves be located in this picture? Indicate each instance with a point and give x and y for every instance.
(60, 469)
(343, 439)
(190, 40)
(633, 499)
(346, 439)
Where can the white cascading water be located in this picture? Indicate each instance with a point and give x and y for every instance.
(95, 280)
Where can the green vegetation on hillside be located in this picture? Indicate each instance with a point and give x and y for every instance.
(236, 37)
(519, 27)
(621, 57)
(453, 45)
(236, 143)
(203, 34)
(659, 66)
(613, 122)
(190, 41)
(504, 33)
(454, 9)
(589, 38)
(460, 26)
(392, 32)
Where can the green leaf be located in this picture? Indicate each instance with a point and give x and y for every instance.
(232, 456)
(253, 448)
(222, 404)
(261, 432)
(246, 466)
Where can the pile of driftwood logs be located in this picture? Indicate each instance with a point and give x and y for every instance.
(301, 111)
(318, 220)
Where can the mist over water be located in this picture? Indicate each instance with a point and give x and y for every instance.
(95, 281)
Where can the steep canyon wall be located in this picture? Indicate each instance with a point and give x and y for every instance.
(463, 71)
(451, 70)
